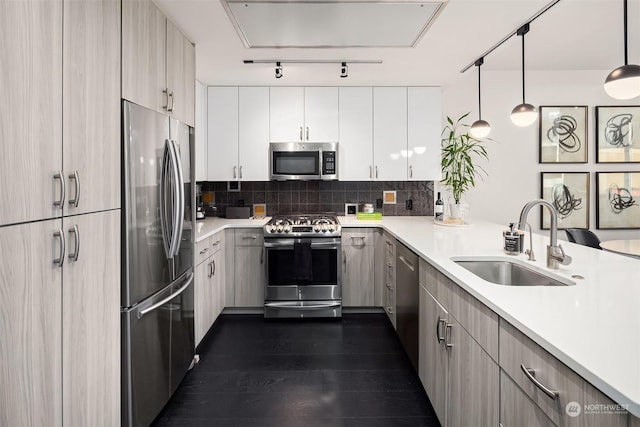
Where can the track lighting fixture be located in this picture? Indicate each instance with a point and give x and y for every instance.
(344, 70)
(480, 128)
(523, 114)
(278, 70)
(624, 81)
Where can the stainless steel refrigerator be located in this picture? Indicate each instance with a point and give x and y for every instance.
(158, 244)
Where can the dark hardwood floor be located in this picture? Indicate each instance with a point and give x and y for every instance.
(257, 372)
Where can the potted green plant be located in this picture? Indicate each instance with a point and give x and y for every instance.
(460, 151)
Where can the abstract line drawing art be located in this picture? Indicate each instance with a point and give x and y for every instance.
(563, 134)
(568, 192)
(618, 134)
(618, 205)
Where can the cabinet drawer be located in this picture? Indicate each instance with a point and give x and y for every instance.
(516, 409)
(358, 236)
(516, 349)
(203, 251)
(249, 237)
(216, 242)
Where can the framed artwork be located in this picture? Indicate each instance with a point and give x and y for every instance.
(563, 134)
(618, 134)
(618, 203)
(568, 192)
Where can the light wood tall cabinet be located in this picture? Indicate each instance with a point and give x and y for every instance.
(91, 320)
(158, 62)
(303, 114)
(358, 250)
(249, 268)
(31, 330)
(31, 110)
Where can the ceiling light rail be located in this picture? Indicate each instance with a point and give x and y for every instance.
(512, 33)
(344, 68)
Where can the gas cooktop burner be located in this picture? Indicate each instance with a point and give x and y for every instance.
(303, 225)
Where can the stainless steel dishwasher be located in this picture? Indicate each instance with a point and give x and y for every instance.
(407, 299)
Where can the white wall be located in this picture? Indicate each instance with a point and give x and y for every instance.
(513, 168)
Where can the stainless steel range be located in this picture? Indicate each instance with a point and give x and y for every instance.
(303, 262)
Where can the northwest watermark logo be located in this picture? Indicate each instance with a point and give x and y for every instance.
(573, 409)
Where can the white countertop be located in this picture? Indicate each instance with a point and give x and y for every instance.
(592, 327)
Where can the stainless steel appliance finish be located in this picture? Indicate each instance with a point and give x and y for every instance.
(303, 266)
(157, 292)
(407, 301)
(303, 161)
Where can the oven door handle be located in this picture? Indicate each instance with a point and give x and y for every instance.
(302, 307)
(287, 245)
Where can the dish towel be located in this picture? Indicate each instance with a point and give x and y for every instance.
(302, 261)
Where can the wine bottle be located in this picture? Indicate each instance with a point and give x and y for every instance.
(439, 209)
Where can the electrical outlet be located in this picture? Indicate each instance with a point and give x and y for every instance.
(379, 203)
(408, 204)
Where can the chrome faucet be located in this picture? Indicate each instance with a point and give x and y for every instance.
(555, 253)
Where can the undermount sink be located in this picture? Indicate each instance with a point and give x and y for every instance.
(510, 272)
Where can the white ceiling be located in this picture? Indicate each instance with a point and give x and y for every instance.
(573, 35)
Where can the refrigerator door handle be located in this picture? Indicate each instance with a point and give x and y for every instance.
(143, 312)
(178, 219)
(163, 201)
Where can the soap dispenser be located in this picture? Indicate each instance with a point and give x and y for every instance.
(513, 240)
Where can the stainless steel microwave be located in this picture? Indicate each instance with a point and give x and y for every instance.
(303, 161)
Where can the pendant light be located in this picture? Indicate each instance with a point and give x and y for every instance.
(480, 128)
(624, 81)
(523, 114)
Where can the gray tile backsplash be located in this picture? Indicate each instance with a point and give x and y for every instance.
(299, 197)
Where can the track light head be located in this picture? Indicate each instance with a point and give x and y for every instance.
(278, 70)
(344, 70)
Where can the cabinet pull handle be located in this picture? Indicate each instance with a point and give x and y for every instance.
(252, 237)
(204, 251)
(410, 171)
(407, 263)
(376, 172)
(234, 172)
(344, 260)
(58, 175)
(530, 373)
(370, 172)
(389, 286)
(262, 256)
(213, 267)
(73, 256)
(240, 172)
(307, 133)
(60, 235)
(389, 310)
(440, 337)
(216, 243)
(300, 133)
(165, 91)
(447, 336)
(76, 179)
(170, 109)
(209, 273)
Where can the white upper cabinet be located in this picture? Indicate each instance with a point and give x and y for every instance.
(222, 131)
(355, 158)
(201, 132)
(390, 133)
(424, 127)
(303, 114)
(253, 134)
(238, 133)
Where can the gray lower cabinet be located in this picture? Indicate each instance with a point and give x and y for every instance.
(519, 353)
(209, 291)
(516, 409)
(249, 268)
(358, 277)
(458, 374)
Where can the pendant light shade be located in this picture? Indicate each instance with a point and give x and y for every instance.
(523, 114)
(624, 81)
(480, 128)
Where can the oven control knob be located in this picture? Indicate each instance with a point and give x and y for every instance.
(316, 228)
(279, 229)
(287, 228)
(331, 228)
(324, 228)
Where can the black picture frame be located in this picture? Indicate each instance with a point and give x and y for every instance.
(618, 134)
(568, 192)
(618, 203)
(563, 134)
